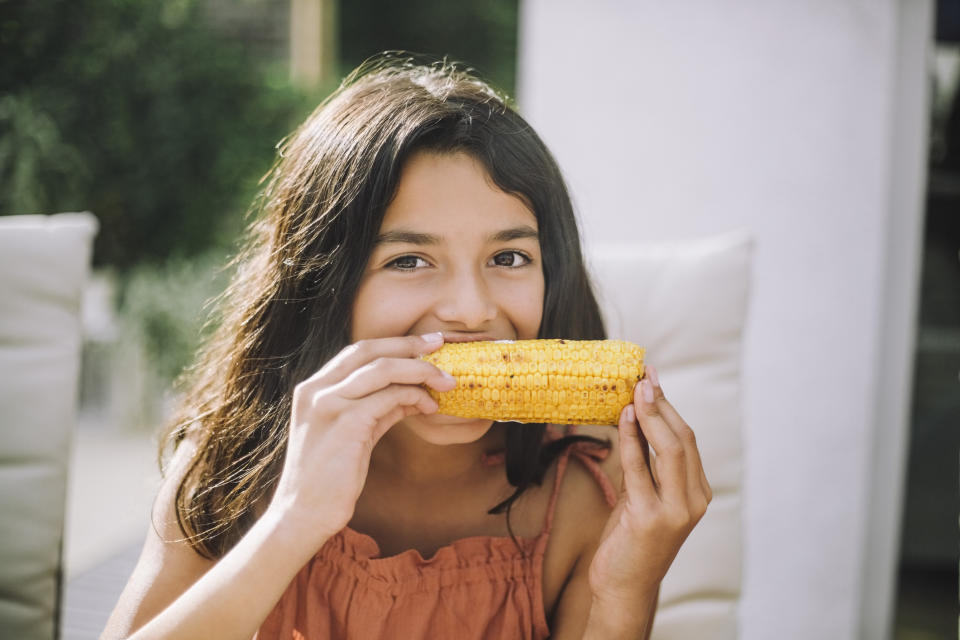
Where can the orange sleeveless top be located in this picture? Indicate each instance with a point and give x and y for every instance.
(477, 587)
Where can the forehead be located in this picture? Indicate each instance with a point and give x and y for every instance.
(452, 191)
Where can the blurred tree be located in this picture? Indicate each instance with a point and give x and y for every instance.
(160, 116)
(161, 124)
(480, 33)
(140, 112)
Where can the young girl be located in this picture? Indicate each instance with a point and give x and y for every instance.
(315, 492)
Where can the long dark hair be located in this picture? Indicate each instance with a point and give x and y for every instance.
(287, 310)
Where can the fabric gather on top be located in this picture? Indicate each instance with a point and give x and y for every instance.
(476, 587)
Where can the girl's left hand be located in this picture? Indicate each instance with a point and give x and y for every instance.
(662, 499)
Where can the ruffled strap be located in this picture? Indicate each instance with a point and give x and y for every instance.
(588, 453)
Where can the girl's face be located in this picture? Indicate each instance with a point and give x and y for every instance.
(454, 254)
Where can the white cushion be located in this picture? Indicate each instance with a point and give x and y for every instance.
(44, 261)
(686, 302)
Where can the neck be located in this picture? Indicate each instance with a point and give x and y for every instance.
(405, 456)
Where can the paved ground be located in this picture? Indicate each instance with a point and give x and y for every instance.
(91, 595)
(113, 479)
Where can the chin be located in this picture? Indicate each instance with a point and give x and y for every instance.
(441, 429)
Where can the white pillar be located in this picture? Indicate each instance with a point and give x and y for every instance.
(893, 368)
(313, 41)
(804, 122)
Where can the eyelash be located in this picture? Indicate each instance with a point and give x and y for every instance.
(393, 264)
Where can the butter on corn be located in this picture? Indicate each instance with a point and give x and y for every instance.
(553, 381)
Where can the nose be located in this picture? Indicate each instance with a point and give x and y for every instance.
(466, 300)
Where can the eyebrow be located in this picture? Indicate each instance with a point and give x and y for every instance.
(405, 236)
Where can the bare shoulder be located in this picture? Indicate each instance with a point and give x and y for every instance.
(167, 566)
(580, 517)
(582, 508)
(611, 463)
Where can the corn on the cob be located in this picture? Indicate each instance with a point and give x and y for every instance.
(553, 381)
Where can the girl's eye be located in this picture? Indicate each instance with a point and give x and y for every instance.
(406, 263)
(511, 259)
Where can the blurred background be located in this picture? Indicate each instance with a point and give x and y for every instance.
(162, 117)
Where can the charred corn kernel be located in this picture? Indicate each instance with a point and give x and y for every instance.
(556, 381)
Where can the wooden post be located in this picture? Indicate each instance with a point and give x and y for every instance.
(313, 44)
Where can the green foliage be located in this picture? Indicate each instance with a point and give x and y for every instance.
(482, 34)
(141, 113)
(165, 309)
(32, 154)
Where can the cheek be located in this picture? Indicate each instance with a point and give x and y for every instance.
(381, 310)
(523, 303)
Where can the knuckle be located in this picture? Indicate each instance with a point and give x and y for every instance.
(674, 449)
(379, 366)
(361, 418)
(353, 350)
(415, 341)
(639, 467)
(303, 394)
(680, 519)
(701, 509)
(300, 389)
(402, 395)
(361, 347)
(649, 409)
(416, 394)
(317, 399)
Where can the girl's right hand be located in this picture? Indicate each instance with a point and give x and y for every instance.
(338, 416)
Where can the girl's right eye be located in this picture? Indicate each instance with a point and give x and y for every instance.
(406, 263)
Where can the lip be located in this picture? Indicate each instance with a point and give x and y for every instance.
(467, 337)
(442, 418)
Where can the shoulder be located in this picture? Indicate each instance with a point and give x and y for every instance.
(611, 463)
(582, 504)
(579, 518)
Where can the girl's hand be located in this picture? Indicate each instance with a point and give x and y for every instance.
(662, 499)
(338, 415)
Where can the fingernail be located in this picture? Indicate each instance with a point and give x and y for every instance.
(631, 413)
(446, 376)
(647, 390)
(654, 378)
(433, 338)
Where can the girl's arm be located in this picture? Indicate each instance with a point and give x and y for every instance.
(175, 592)
(581, 615)
(174, 595)
(338, 415)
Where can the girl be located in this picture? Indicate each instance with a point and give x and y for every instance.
(314, 492)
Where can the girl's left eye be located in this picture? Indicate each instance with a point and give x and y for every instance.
(511, 259)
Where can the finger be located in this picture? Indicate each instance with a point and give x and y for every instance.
(669, 451)
(383, 372)
(383, 409)
(696, 478)
(362, 352)
(635, 456)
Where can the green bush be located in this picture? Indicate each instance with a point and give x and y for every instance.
(141, 113)
(480, 34)
(165, 309)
